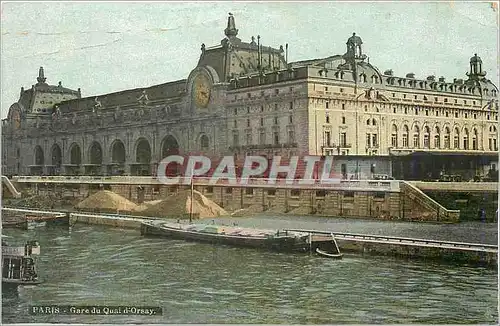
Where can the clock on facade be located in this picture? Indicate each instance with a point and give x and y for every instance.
(201, 91)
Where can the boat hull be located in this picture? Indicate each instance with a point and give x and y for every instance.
(277, 243)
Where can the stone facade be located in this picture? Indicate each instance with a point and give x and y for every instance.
(246, 98)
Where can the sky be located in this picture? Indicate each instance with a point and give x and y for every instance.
(105, 47)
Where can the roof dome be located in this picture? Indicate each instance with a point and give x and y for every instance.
(475, 59)
(354, 39)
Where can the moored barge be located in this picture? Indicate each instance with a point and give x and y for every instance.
(274, 240)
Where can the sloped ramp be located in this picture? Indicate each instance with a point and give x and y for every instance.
(13, 191)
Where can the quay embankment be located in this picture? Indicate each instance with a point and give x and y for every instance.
(370, 242)
(376, 199)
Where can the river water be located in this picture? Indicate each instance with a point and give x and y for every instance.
(202, 283)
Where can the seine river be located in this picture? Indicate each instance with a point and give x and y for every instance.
(201, 283)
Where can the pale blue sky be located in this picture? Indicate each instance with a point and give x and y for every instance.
(107, 47)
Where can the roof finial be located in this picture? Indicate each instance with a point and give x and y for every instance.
(41, 78)
(231, 30)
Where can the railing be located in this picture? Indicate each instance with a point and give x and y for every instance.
(427, 202)
(353, 185)
(406, 241)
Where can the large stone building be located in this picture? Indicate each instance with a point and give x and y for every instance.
(245, 98)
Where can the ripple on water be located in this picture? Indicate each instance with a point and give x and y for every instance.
(200, 283)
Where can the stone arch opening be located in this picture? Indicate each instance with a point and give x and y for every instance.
(170, 146)
(37, 168)
(142, 158)
(118, 158)
(75, 159)
(39, 157)
(118, 154)
(95, 155)
(204, 142)
(56, 162)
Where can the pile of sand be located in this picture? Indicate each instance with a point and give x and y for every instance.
(147, 204)
(107, 200)
(178, 205)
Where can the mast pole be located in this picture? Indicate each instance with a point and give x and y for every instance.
(191, 202)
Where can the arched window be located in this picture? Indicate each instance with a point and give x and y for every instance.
(416, 137)
(456, 139)
(368, 122)
(204, 142)
(394, 136)
(374, 123)
(405, 135)
(447, 138)
(437, 138)
(466, 138)
(427, 137)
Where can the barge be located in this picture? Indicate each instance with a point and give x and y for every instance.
(274, 240)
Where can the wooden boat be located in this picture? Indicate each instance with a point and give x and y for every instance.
(328, 254)
(236, 236)
(19, 264)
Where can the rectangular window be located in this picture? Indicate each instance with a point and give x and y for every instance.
(262, 137)
(291, 136)
(446, 141)
(249, 191)
(275, 120)
(276, 138)
(249, 138)
(276, 107)
(374, 140)
(271, 192)
(343, 106)
(328, 140)
(295, 192)
(291, 106)
(235, 111)
(368, 140)
(327, 103)
(261, 122)
(343, 139)
(235, 140)
(394, 140)
(290, 119)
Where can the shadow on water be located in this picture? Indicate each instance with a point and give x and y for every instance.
(202, 283)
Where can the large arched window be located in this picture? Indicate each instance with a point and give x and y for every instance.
(416, 137)
(394, 136)
(405, 135)
(437, 138)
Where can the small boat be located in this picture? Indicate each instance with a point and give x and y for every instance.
(284, 241)
(19, 264)
(27, 222)
(328, 254)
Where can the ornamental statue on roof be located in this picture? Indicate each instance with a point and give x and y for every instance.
(97, 105)
(143, 99)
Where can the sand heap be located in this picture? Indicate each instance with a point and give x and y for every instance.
(178, 206)
(106, 200)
